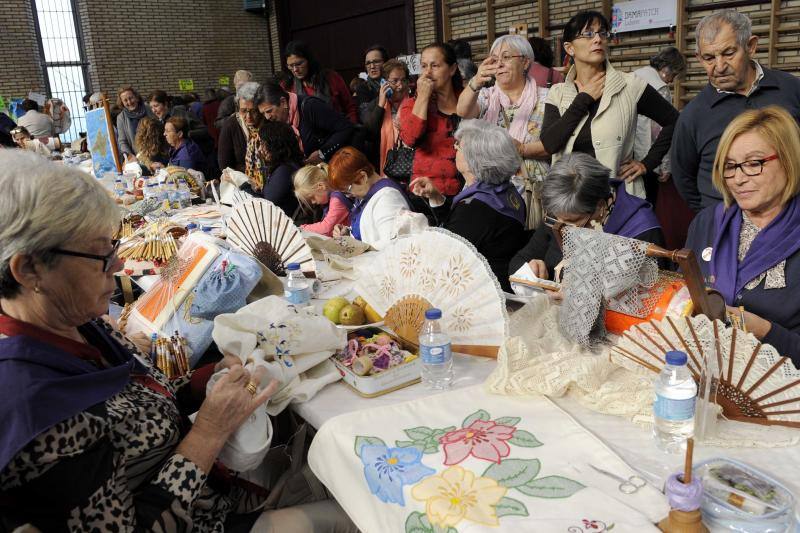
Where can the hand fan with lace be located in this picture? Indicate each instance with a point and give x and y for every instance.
(263, 230)
(755, 383)
(436, 268)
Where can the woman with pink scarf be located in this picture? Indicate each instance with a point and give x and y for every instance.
(503, 93)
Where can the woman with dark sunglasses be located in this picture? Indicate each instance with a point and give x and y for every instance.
(578, 192)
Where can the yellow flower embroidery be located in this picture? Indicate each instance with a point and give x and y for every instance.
(456, 494)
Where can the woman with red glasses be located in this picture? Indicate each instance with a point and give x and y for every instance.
(748, 246)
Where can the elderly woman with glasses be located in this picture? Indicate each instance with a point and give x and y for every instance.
(578, 192)
(514, 102)
(594, 111)
(748, 246)
(381, 115)
(94, 436)
(488, 212)
(239, 143)
(378, 200)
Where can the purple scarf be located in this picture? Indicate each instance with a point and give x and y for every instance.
(342, 198)
(631, 215)
(776, 242)
(503, 198)
(358, 208)
(43, 385)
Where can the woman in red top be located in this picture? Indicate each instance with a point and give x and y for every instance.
(325, 84)
(427, 121)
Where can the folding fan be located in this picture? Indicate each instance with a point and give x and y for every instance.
(755, 383)
(238, 197)
(436, 268)
(263, 230)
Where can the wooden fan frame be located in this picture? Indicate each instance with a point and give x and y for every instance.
(405, 318)
(743, 405)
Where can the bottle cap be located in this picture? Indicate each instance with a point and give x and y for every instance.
(293, 266)
(191, 226)
(676, 358)
(206, 229)
(433, 314)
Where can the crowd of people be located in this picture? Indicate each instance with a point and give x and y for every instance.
(499, 152)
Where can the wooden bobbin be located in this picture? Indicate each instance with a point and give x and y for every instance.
(683, 522)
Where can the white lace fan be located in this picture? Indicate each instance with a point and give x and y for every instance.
(239, 196)
(263, 230)
(437, 268)
(755, 384)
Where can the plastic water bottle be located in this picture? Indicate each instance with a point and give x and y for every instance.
(674, 404)
(297, 288)
(435, 352)
(191, 227)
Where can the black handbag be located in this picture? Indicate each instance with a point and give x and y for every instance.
(399, 162)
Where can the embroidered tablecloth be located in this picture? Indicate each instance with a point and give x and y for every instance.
(467, 461)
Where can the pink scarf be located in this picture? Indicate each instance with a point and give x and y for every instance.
(294, 117)
(498, 100)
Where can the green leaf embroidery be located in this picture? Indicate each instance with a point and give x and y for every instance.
(418, 523)
(480, 414)
(408, 444)
(361, 441)
(514, 472)
(508, 420)
(550, 487)
(431, 448)
(510, 506)
(419, 433)
(525, 439)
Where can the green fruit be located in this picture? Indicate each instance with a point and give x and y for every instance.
(351, 315)
(333, 308)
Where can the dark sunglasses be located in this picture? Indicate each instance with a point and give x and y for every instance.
(107, 260)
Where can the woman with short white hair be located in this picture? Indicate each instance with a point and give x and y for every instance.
(488, 212)
(516, 103)
(238, 138)
(93, 434)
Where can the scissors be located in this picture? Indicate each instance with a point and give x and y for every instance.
(626, 486)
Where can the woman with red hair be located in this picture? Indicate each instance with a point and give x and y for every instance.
(378, 200)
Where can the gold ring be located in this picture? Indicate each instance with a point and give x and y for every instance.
(252, 387)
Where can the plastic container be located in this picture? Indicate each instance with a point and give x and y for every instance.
(436, 352)
(737, 497)
(674, 405)
(150, 191)
(297, 288)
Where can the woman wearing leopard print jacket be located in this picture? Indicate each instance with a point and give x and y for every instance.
(93, 437)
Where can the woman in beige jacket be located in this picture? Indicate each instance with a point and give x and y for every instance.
(594, 111)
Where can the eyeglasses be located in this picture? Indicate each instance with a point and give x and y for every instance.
(107, 260)
(505, 58)
(551, 222)
(295, 65)
(373, 63)
(604, 35)
(752, 167)
(396, 82)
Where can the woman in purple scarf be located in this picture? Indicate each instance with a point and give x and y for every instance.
(488, 212)
(578, 192)
(749, 246)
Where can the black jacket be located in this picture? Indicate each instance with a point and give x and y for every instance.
(232, 145)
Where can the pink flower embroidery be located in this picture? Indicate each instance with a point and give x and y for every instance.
(483, 439)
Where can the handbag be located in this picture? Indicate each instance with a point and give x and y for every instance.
(399, 162)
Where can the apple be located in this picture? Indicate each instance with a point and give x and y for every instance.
(333, 308)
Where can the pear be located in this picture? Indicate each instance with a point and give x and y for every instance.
(333, 308)
(351, 315)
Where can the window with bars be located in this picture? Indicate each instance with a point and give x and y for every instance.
(63, 57)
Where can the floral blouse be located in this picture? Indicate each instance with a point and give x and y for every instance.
(776, 276)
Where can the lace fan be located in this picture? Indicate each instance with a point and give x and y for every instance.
(263, 230)
(239, 196)
(436, 268)
(755, 384)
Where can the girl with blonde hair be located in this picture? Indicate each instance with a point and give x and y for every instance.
(312, 188)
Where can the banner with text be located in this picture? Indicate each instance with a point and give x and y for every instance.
(642, 15)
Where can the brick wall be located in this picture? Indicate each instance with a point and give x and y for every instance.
(20, 71)
(424, 23)
(154, 47)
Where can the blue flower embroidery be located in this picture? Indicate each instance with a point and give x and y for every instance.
(388, 469)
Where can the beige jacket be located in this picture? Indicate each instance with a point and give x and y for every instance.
(613, 127)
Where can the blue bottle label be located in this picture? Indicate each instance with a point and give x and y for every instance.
(297, 295)
(671, 409)
(435, 355)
